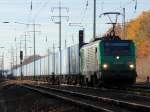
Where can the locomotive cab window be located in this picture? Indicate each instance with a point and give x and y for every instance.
(116, 48)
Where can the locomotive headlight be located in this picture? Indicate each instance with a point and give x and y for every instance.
(105, 66)
(117, 57)
(131, 66)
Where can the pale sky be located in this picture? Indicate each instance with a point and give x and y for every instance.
(80, 11)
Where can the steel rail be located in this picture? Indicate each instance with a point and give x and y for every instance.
(75, 102)
(119, 103)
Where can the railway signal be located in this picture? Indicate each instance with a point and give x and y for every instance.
(21, 59)
(81, 38)
(21, 55)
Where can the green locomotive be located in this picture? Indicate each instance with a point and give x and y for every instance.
(109, 62)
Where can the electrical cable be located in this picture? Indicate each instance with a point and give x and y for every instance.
(40, 9)
(85, 10)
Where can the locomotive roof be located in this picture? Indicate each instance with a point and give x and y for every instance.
(101, 40)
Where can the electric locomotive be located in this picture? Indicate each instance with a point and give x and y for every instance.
(109, 62)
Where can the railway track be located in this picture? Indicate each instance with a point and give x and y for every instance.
(141, 87)
(131, 90)
(144, 92)
(110, 93)
(90, 101)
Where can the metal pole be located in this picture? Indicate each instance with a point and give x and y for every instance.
(60, 36)
(21, 59)
(21, 69)
(16, 59)
(48, 62)
(65, 44)
(53, 58)
(34, 48)
(30, 63)
(3, 64)
(25, 45)
(16, 55)
(20, 45)
(12, 59)
(20, 63)
(26, 51)
(94, 23)
(60, 24)
(40, 67)
(124, 16)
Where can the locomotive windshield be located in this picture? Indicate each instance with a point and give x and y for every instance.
(117, 48)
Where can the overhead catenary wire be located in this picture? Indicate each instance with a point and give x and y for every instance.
(84, 11)
(135, 7)
(34, 14)
(129, 3)
(31, 6)
(30, 10)
(102, 6)
(41, 9)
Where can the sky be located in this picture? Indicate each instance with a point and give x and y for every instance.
(78, 11)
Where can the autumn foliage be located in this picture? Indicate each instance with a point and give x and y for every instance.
(139, 31)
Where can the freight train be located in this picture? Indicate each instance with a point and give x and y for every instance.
(103, 62)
